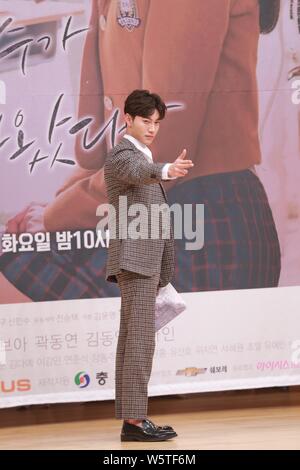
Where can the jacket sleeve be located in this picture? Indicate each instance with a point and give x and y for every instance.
(91, 95)
(192, 49)
(130, 168)
(76, 201)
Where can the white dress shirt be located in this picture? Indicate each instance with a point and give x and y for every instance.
(148, 154)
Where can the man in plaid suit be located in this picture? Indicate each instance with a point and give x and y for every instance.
(140, 265)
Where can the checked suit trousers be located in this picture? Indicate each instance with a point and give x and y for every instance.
(136, 343)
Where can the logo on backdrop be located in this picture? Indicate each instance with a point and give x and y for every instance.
(82, 379)
(101, 377)
(127, 15)
(191, 371)
(12, 386)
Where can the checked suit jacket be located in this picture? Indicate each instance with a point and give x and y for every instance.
(128, 173)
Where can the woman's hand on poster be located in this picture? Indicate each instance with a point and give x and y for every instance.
(30, 219)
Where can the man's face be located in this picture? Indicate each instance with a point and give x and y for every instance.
(143, 129)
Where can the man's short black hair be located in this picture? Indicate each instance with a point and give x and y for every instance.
(143, 103)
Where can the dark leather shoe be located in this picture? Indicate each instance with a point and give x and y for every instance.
(147, 431)
(166, 427)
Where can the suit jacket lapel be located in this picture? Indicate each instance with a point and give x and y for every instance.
(128, 144)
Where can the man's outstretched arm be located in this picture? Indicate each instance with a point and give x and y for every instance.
(130, 168)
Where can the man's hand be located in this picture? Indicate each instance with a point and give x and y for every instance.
(180, 167)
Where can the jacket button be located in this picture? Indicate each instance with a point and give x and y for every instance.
(102, 22)
(108, 103)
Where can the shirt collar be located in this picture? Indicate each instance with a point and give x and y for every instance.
(140, 146)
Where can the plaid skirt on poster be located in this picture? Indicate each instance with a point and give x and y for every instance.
(59, 275)
(241, 248)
